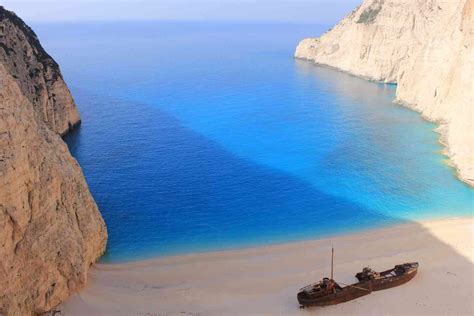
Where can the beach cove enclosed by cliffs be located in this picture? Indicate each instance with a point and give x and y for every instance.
(225, 173)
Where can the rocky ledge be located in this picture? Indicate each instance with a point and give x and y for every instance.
(426, 47)
(50, 228)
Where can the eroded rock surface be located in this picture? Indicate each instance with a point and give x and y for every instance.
(36, 73)
(50, 228)
(426, 47)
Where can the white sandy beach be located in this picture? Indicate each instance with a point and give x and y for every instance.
(264, 281)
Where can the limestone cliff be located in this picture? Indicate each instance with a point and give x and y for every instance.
(50, 228)
(36, 73)
(426, 47)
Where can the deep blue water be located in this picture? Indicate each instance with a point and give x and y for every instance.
(206, 136)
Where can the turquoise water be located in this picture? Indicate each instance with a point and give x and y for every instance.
(207, 136)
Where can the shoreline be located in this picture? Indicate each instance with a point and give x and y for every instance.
(442, 127)
(431, 79)
(264, 280)
(310, 239)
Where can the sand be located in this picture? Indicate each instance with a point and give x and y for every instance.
(264, 281)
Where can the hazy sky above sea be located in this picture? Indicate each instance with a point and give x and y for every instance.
(306, 11)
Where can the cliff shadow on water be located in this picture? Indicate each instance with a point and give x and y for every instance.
(168, 189)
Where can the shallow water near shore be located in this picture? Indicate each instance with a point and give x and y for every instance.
(209, 136)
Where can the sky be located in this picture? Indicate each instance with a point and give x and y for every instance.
(293, 11)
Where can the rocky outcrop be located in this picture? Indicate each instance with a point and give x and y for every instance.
(50, 228)
(426, 47)
(36, 73)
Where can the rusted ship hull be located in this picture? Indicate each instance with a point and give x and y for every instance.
(387, 283)
(345, 294)
(391, 278)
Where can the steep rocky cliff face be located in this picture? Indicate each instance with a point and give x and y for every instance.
(426, 47)
(50, 228)
(36, 73)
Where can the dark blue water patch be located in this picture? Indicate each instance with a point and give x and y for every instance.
(186, 193)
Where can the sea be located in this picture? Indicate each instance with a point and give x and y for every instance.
(207, 136)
